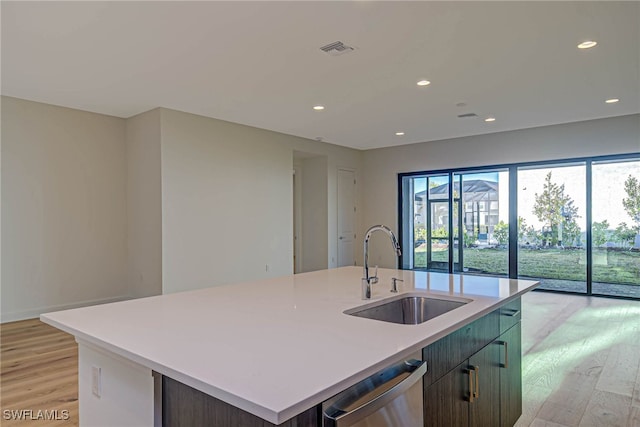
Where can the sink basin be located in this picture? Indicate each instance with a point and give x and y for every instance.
(407, 310)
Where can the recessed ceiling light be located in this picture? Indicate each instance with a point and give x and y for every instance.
(490, 119)
(612, 100)
(399, 133)
(318, 107)
(423, 83)
(587, 44)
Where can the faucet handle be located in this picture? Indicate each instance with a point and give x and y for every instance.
(394, 285)
(374, 278)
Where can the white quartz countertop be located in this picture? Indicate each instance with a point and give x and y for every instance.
(277, 347)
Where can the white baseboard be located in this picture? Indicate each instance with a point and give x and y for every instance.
(36, 312)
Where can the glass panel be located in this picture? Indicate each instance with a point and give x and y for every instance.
(551, 226)
(410, 205)
(425, 222)
(439, 187)
(419, 244)
(615, 230)
(438, 235)
(457, 236)
(485, 222)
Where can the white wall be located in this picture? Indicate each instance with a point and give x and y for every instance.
(63, 208)
(615, 135)
(144, 205)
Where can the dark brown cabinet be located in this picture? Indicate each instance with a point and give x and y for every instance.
(511, 376)
(484, 408)
(186, 406)
(469, 395)
(483, 387)
(446, 401)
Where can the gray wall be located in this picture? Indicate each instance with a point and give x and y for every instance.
(97, 208)
(227, 201)
(315, 214)
(64, 217)
(144, 204)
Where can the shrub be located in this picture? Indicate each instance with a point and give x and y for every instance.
(501, 232)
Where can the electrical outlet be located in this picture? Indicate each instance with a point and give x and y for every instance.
(96, 381)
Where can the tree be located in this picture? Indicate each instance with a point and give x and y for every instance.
(555, 209)
(501, 232)
(522, 228)
(571, 233)
(623, 235)
(599, 232)
(631, 203)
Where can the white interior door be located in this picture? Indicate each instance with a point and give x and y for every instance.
(346, 217)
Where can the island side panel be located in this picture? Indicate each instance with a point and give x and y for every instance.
(122, 394)
(185, 406)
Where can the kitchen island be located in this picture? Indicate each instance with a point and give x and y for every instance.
(273, 348)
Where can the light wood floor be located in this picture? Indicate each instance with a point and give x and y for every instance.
(581, 361)
(581, 364)
(38, 371)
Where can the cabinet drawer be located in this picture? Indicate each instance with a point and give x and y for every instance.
(448, 352)
(510, 314)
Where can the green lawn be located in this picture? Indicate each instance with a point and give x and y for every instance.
(609, 266)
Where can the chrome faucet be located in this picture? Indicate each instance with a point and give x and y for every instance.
(367, 280)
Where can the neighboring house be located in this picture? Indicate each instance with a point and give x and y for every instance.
(480, 204)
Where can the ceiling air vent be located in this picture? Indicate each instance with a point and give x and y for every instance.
(467, 115)
(336, 48)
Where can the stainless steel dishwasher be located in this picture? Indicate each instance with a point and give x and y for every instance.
(391, 397)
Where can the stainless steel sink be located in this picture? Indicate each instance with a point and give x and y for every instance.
(407, 310)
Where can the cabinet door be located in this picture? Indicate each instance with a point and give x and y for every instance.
(446, 353)
(446, 401)
(484, 408)
(511, 376)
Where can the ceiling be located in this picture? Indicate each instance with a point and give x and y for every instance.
(260, 63)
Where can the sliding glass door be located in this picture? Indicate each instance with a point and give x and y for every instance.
(616, 228)
(460, 230)
(485, 218)
(573, 225)
(552, 226)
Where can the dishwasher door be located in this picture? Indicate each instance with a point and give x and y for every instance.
(391, 397)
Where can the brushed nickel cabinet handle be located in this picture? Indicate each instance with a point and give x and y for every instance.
(471, 393)
(506, 354)
(514, 313)
(476, 369)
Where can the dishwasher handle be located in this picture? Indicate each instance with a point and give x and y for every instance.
(334, 416)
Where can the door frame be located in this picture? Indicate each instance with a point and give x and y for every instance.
(355, 216)
(297, 218)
